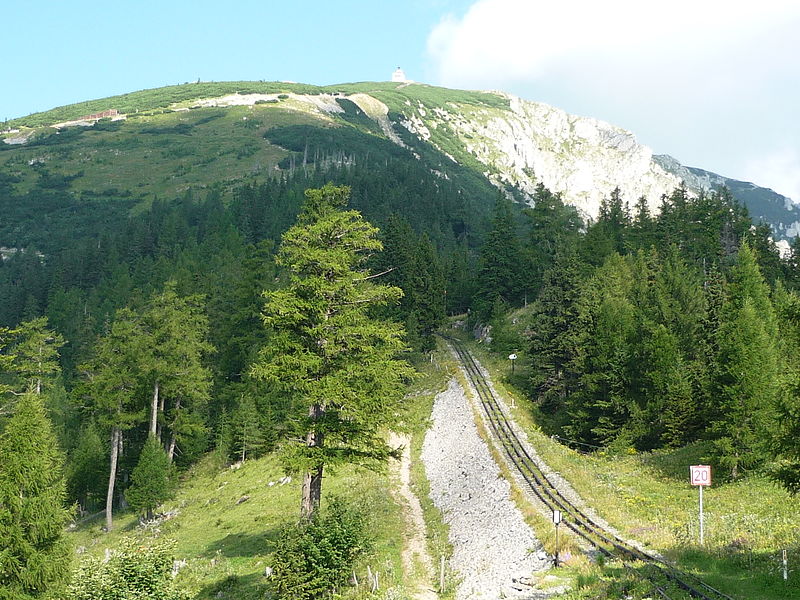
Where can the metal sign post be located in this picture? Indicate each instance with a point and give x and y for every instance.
(512, 358)
(785, 566)
(700, 475)
(556, 520)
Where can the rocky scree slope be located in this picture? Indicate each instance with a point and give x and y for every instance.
(493, 547)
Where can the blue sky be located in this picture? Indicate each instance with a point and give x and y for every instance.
(714, 83)
(73, 50)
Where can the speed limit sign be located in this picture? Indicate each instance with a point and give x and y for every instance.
(700, 474)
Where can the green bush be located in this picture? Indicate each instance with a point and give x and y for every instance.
(312, 558)
(135, 572)
(151, 479)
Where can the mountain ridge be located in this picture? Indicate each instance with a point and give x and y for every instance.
(514, 143)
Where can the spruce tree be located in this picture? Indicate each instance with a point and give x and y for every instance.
(745, 388)
(177, 328)
(113, 390)
(337, 363)
(744, 381)
(499, 275)
(602, 403)
(248, 437)
(86, 468)
(608, 234)
(553, 225)
(35, 555)
(151, 479)
(6, 361)
(36, 353)
(553, 330)
(786, 431)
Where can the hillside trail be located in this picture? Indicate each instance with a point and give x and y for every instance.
(417, 562)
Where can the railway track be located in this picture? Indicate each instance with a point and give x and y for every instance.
(661, 574)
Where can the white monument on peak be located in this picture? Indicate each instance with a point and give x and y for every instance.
(398, 76)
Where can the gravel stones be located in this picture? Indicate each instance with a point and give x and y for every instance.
(493, 547)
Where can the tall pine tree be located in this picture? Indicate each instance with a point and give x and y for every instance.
(337, 363)
(745, 377)
(35, 554)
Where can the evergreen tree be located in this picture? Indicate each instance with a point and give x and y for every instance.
(246, 429)
(427, 292)
(134, 571)
(666, 411)
(553, 330)
(602, 404)
(86, 467)
(678, 302)
(745, 388)
(151, 479)
(113, 389)
(553, 225)
(746, 283)
(337, 363)
(744, 383)
(499, 275)
(35, 555)
(769, 259)
(6, 362)
(36, 353)
(642, 230)
(178, 331)
(239, 336)
(786, 429)
(460, 274)
(608, 234)
(411, 263)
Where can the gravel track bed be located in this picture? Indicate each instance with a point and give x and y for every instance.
(561, 484)
(492, 545)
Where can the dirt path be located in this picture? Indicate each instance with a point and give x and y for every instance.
(417, 563)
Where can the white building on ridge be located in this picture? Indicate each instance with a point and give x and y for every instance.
(398, 76)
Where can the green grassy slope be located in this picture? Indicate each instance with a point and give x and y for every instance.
(393, 94)
(227, 543)
(167, 144)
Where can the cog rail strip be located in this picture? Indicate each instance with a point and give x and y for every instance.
(604, 541)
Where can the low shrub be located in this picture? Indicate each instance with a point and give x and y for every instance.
(135, 572)
(315, 557)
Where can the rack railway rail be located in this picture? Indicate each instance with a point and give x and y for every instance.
(654, 569)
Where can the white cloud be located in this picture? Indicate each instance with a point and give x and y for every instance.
(779, 170)
(712, 82)
(506, 41)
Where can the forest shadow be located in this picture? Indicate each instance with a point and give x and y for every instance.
(675, 463)
(242, 545)
(737, 572)
(238, 587)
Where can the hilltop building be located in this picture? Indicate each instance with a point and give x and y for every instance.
(398, 76)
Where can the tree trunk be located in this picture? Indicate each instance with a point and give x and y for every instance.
(116, 434)
(312, 493)
(171, 447)
(154, 410)
(161, 412)
(312, 480)
(172, 438)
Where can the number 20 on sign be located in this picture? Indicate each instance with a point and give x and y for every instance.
(700, 475)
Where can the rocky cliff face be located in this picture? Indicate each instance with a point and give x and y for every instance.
(582, 158)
